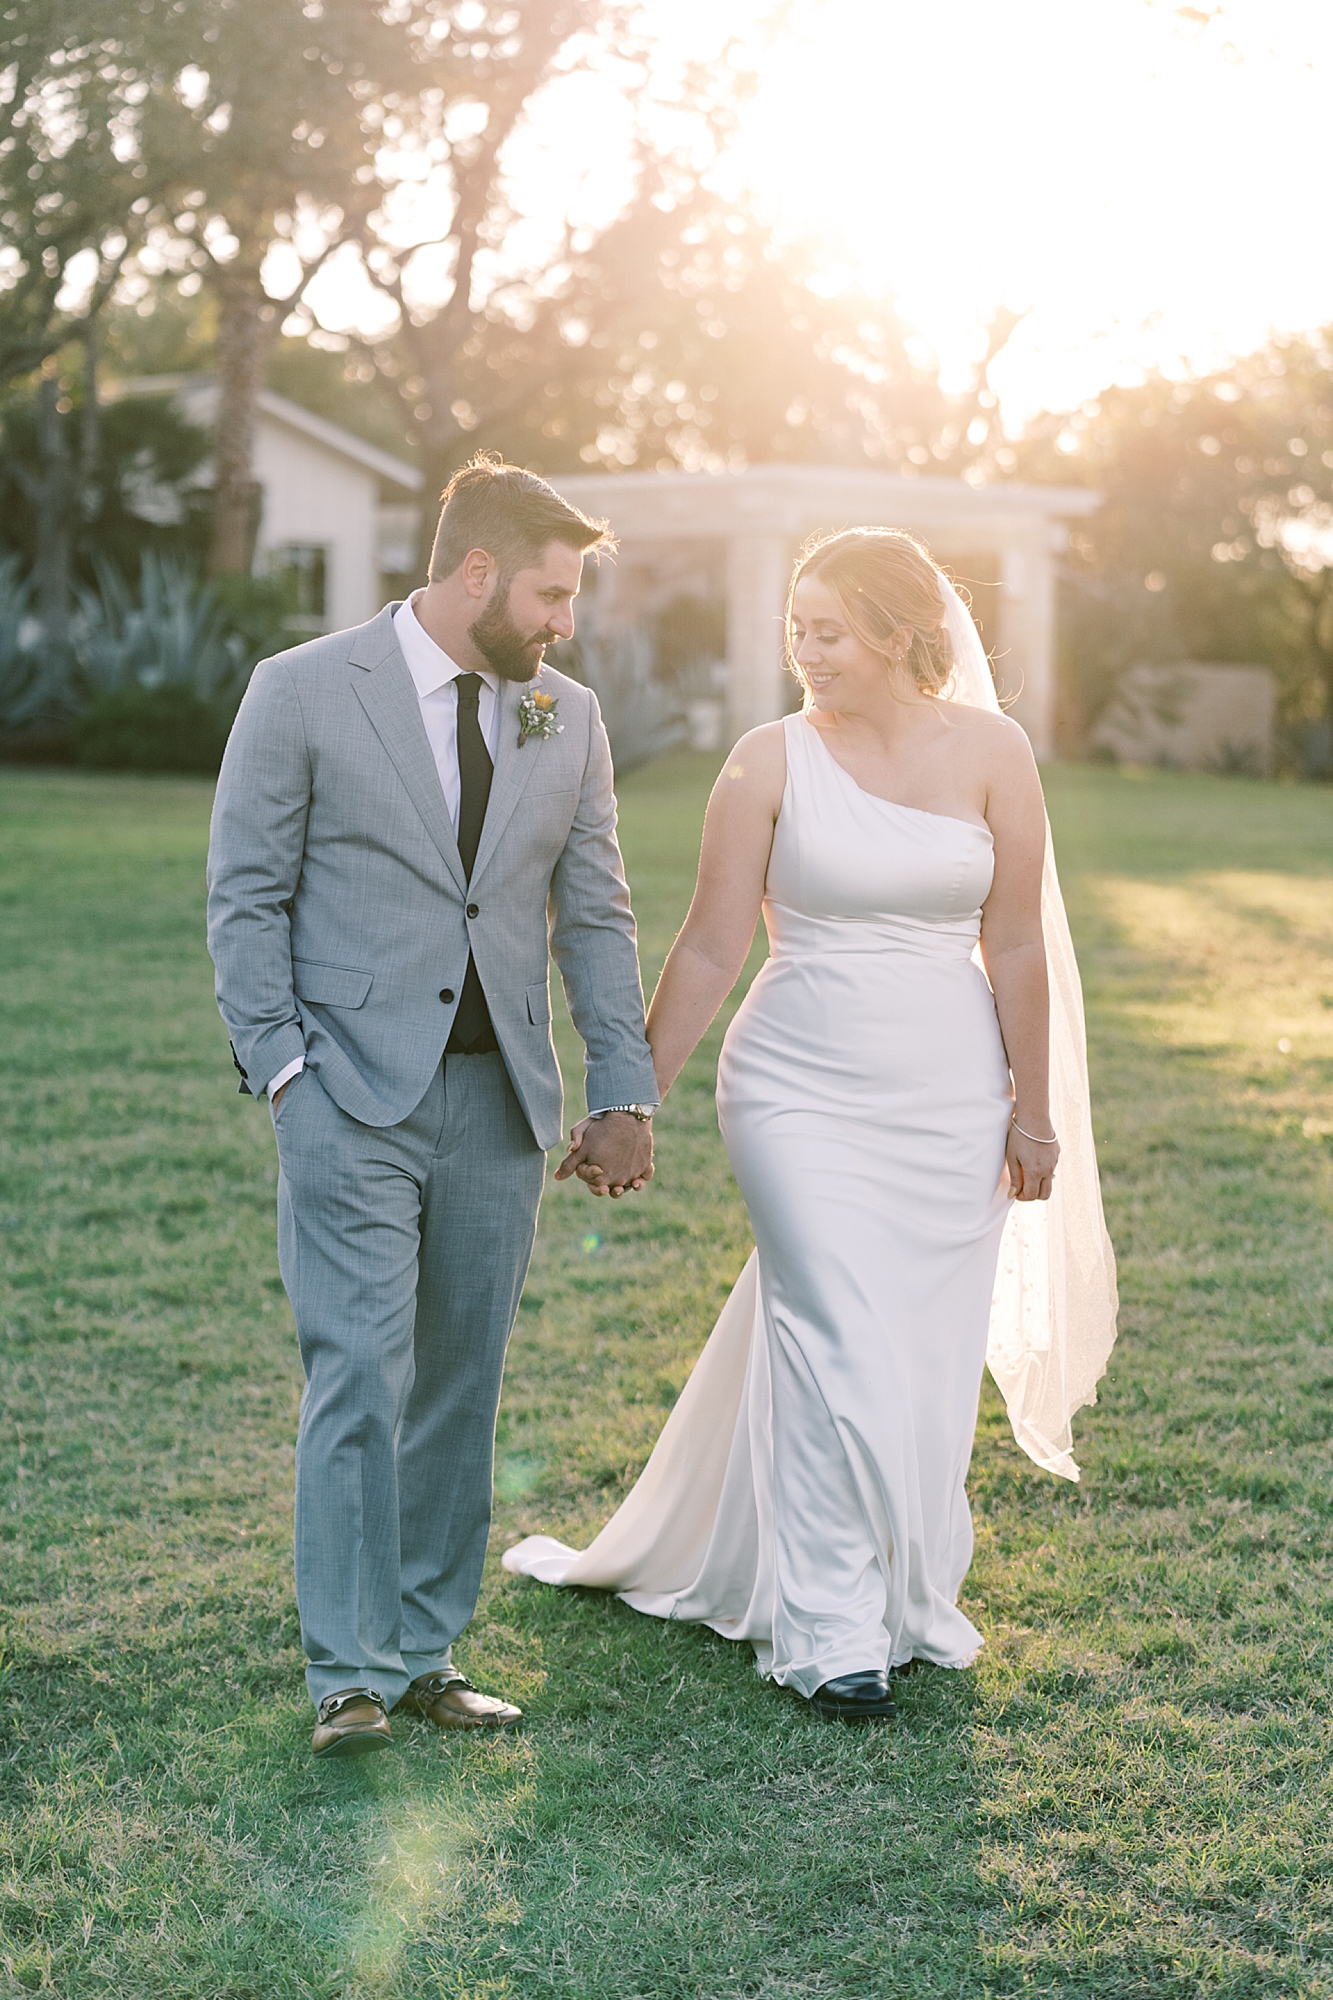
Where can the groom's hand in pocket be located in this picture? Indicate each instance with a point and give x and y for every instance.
(610, 1155)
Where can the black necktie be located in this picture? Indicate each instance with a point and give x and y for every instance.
(472, 1032)
(474, 770)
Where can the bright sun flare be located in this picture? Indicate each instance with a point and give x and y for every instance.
(1146, 179)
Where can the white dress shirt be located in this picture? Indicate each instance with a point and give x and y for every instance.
(433, 675)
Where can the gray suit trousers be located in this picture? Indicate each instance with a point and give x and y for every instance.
(403, 1250)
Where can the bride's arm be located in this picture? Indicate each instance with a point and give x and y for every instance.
(1014, 952)
(705, 961)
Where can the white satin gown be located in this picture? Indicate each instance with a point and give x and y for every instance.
(807, 1491)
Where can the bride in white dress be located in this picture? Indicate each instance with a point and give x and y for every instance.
(885, 1097)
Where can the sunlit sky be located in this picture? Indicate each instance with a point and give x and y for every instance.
(1152, 185)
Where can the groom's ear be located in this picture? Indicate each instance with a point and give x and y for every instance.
(478, 571)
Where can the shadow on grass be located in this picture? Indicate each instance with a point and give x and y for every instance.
(693, 1831)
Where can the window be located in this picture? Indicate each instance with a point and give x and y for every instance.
(303, 567)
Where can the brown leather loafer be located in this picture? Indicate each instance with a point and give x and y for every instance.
(450, 1701)
(350, 1723)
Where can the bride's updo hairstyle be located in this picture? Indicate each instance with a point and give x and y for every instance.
(882, 580)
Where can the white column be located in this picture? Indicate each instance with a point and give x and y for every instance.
(757, 574)
(1027, 640)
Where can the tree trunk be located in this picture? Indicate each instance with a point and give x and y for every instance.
(90, 431)
(247, 328)
(54, 493)
(1317, 592)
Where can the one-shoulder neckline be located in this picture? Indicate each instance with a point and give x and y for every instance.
(895, 805)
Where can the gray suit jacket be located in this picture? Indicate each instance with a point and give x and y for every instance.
(339, 915)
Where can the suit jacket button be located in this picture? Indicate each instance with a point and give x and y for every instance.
(473, 910)
(446, 994)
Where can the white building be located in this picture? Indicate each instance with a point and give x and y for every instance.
(340, 514)
(741, 530)
(337, 512)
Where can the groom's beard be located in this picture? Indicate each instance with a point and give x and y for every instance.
(512, 654)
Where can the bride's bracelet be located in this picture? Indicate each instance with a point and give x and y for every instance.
(1052, 1141)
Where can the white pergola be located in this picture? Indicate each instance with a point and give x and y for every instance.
(764, 513)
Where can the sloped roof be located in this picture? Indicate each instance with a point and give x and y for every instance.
(198, 394)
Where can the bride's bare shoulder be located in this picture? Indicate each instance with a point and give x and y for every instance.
(759, 756)
(756, 768)
(965, 716)
(993, 735)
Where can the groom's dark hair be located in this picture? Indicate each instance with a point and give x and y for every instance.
(510, 513)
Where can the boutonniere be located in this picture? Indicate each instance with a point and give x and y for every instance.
(536, 716)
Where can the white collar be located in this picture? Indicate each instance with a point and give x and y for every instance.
(429, 665)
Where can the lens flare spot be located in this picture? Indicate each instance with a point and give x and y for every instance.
(590, 1244)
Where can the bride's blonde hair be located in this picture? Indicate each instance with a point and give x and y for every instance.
(883, 580)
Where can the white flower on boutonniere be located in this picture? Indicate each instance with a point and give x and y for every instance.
(536, 716)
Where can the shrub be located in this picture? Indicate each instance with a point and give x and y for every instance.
(165, 728)
(642, 717)
(30, 704)
(168, 663)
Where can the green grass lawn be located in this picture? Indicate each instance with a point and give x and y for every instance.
(1131, 1794)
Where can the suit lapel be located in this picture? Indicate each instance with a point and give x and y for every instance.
(514, 766)
(388, 694)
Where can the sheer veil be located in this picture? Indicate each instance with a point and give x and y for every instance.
(1053, 1314)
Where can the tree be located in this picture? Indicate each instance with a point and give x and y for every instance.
(711, 350)
(672, 335)
(76, 196)
(1288, 501)
(140, 485)
(193, 135)
(1215, 537)
(270, 117)
(53, 479)
(484, 342)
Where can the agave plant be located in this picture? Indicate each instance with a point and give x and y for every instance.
(172, 632)
(642, 718)
(34, 689)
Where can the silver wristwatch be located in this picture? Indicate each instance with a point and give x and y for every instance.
(643, 1112)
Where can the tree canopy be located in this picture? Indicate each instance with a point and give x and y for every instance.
(181, 172)
(1215, 537)
(77, 197)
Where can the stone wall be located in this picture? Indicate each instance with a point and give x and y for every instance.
(1192, 716)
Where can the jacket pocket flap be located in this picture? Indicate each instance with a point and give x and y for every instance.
(539, 1005)
(329, 985)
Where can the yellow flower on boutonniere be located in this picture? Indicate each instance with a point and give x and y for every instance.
(536, 716)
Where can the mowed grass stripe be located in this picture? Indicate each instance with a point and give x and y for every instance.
(1130, 1796)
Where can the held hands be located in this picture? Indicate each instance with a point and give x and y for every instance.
(1031, 1163)
(611, 1155)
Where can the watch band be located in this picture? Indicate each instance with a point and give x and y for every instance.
(643, 1112)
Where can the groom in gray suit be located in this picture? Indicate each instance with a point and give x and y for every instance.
(406, 813)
